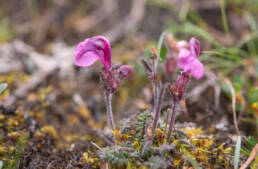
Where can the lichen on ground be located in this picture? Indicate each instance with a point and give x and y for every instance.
(188, 147)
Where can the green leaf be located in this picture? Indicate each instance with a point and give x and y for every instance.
(189, 28)
(251, 141)
(243, 151)
(147, 53)
(237, 152)
(3, 86)
(161, 54)
(6, 31)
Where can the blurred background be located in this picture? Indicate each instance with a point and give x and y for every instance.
(37, 39)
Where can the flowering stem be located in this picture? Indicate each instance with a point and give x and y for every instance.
(157, 111)
(108, 98)
(172, 120)
(155, 80)
(166, 125)
(156, 119)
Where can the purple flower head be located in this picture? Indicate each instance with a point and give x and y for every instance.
(177, 90)
(188, 59)
(125, 71)
(114, 77)
(170, 65)
(195, 47)
(181, 84)
(93, 49)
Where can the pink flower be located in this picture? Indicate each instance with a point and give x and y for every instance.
(188, 59)
(93, 49)
(195, 47)
(113, 78)
(170, 65)
(177, 91)
(125, 71)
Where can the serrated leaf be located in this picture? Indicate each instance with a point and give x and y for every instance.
(3, 86)
(237, 152)
(191, 159)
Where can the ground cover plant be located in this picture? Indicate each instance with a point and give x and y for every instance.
(144, 141)
(152, 84)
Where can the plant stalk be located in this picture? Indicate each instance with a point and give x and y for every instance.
(155, 122)
(172, 120)
(108, 98)
(157, 111)
(155, 82)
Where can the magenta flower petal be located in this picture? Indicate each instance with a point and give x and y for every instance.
(197, 69)
(86, 59)
(91, 50)
(188, 59)
(125, 71)
(183, 58)
(182, 44)
(195, 47)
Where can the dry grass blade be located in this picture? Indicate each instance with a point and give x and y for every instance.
(233, 104)
(103, 12)
(251, 157)
(129, 22)
(97, 146)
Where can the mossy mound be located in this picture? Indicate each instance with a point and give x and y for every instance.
(189, 146)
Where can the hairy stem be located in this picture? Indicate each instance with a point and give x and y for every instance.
(108, 98)
(156, 119)
(155, 80)
(147, 142)
(157, 111)
(167, 115)
(172, 120)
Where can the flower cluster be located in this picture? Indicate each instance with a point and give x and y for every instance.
(188, 58)
(98, 48)
(93, 49)
(177, 90)
(184, 56)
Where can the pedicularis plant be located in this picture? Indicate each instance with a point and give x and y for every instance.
(138, 134)
(185, 56)
(98, 48)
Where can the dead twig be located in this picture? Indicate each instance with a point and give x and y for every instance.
(203, 117)
(97, 146)
(46, 65)
(103, 12)
(251, 157)
(233, 104)
(43, 24)
(129, 23)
